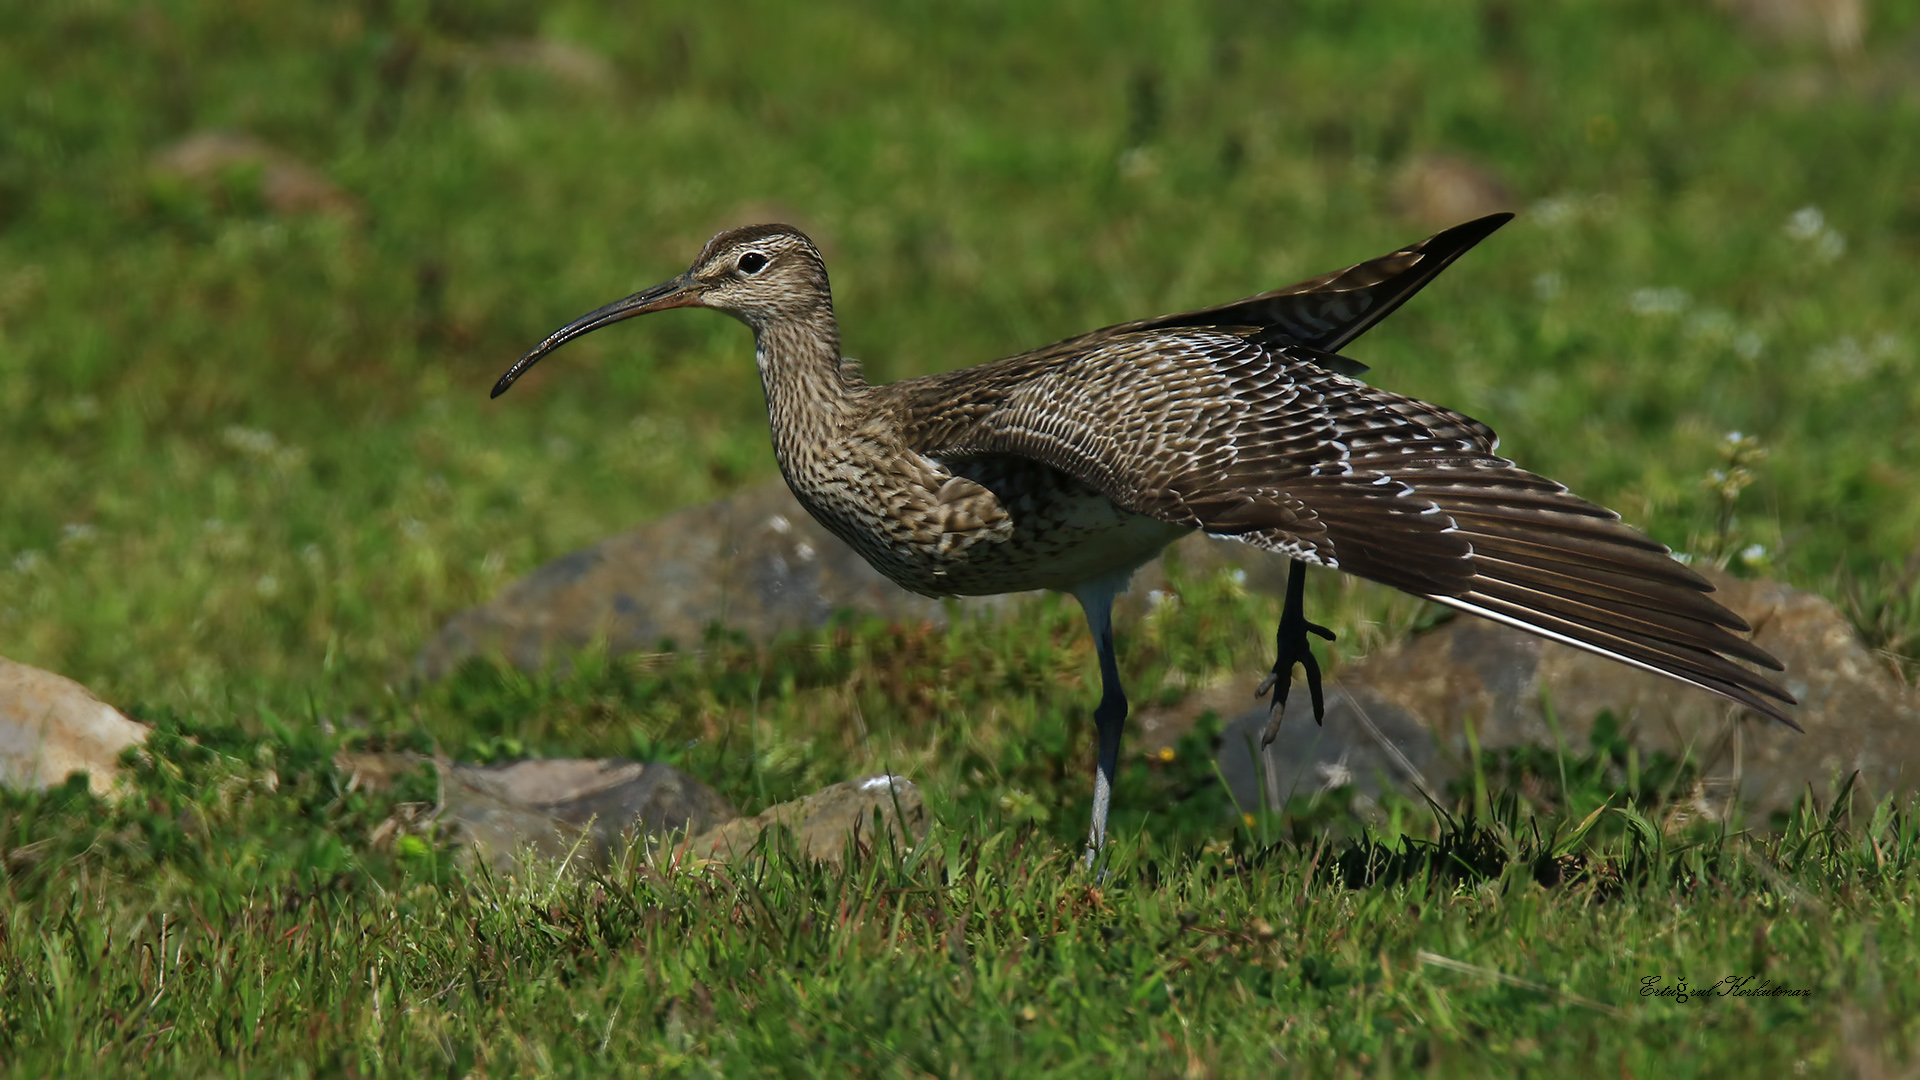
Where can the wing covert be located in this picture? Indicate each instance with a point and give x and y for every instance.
(1224, 431)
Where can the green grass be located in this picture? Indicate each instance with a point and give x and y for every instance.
(251, 467)
(233, 919)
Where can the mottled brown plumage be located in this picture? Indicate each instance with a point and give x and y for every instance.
(1069, 466)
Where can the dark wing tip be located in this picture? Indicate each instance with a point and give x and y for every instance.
(1472, 232)
(1452, 242)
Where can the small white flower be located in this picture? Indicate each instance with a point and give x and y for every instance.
(1711, 324)
(250, 441)
(1806, 223)
(1138, 163)
(1753, 552)
(1555, 211)
(1843, 359)
(1659, 301)
(1548, 285)
(1809, 226)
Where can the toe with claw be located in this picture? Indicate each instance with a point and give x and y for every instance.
(1294, 648)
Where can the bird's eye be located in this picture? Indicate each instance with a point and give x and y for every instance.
(752, 262)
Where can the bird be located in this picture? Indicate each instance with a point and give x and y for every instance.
(1070, 466)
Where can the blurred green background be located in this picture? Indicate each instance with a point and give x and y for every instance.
(249, 454)
(261, 262)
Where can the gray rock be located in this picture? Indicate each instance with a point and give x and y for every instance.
(823, 821)
(586, 811)
(52, 727)
(1421, 696)
(1366, 742)
(287, 186)
(756, 563)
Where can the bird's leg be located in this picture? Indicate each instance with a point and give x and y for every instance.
(1291, 640)
(1108, 719)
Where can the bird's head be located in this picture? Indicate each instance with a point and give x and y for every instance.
(762, 275)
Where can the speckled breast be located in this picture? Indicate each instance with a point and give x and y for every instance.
(1057, 533)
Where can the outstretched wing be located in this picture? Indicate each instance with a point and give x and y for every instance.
(1222, 430)
(1323, 313)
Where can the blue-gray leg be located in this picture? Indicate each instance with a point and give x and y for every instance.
(1110, 718)
(1291, 642)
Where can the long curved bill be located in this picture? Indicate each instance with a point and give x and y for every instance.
(680, 292)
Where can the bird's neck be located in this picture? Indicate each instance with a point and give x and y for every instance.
(812, 392)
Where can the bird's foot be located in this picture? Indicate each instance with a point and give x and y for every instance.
(1291, 641)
